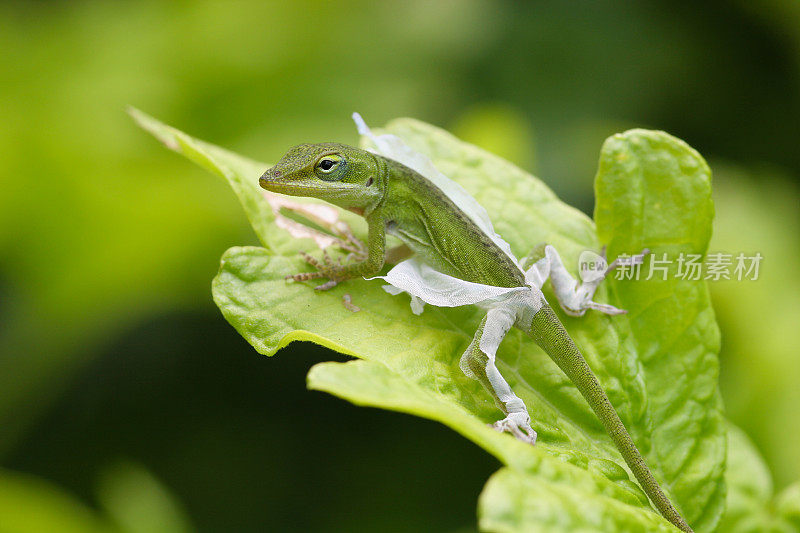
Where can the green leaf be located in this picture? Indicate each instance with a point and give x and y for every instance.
(751, 504)
(655, 191)
(30, 505)
(238, 170)
(513, 502)
(137, 502)
(410, 363)
(787, 507)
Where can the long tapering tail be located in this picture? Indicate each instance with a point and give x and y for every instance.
(549, 333)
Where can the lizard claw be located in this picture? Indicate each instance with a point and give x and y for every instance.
(326, 258)
(327, 285)
(321, 272)
(519, 425)
(311, 260)
(329, 268)
(303, 276)
(605, 308)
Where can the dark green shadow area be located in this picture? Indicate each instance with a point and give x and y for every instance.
(243, 446)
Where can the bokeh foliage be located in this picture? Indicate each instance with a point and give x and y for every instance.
(109, 344)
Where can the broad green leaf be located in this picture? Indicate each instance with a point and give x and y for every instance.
(234, 168)
(751, 504)
(514, 502)
(241, 173)
(655, 191)
(31, 505)
(374, 384)
(411, 362)
(787, 507)
(137, 502)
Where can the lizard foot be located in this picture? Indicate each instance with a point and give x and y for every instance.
(305, 276)
(326, 268)
(519, 425)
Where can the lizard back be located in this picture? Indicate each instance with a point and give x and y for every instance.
(427, 221)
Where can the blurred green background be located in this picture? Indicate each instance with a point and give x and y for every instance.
(128, 404)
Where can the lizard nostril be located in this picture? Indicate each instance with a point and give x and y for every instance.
(270, 175)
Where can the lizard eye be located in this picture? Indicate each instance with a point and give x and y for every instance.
(328, 163)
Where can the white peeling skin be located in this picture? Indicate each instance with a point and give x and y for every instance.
(573, 297)
(428, 285)
(392, 147)
(417, 305)
(442, 290)
(318, 212)
(537, 274)
(507, 305)
(323, 215)
(498, 321)
(391, 289)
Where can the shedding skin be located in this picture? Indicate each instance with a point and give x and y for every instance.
(455, 240)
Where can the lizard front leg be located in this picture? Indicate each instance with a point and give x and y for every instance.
(336, 273)
(478, 362)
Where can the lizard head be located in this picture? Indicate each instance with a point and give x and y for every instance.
(337, 173)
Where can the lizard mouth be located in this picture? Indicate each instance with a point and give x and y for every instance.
(273, 183)
(269, 175)
(265, 182)
(276, 185)
(273, 180)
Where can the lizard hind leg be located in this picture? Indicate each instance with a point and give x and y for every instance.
(575, 298)
(478, 362)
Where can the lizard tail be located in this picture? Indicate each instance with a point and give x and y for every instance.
(548, 333)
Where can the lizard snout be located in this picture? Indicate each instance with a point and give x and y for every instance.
(270, 176)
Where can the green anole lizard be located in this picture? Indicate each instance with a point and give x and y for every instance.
(458, 260)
